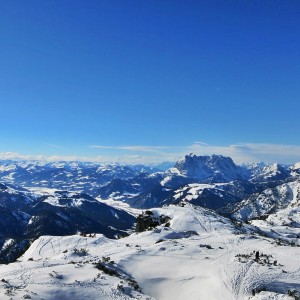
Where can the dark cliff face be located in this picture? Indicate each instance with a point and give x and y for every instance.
(144, 222)
(147, 221)
(13, 250)
(11, 223)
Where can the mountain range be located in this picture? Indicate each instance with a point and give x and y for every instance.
(75, 198)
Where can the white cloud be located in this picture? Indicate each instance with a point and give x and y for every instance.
(201, 143)
(19, 156)
(53, 145)
(252, 152)
(135, 148)
(243, 152)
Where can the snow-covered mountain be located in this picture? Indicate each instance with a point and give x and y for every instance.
(215, 168)
(126, 189)
(238, 182)
(206, 195)
(145, 187)
(188, 171)
(266, 173)
(214, 182)
(211, 217)
(46, 211)
(26, 215)
(295, 169)
(65, 213)
(72, 176)
(270, 201)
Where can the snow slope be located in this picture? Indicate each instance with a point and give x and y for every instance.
(284, 196)
(201, 255)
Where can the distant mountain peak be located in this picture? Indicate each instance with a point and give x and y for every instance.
(215, 167)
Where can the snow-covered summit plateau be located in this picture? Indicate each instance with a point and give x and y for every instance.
(198, 255)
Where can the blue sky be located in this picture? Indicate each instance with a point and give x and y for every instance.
(146, 81)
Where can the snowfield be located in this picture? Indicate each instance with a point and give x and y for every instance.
(199, 255)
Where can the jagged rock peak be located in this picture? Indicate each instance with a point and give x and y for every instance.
(216, 167)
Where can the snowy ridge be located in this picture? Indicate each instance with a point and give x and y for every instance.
(28, 214)
(276, 212)
(284, 196)
(295, 169)
(262, 172)
(200, 255)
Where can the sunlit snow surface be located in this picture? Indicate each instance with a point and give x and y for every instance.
(194, 258)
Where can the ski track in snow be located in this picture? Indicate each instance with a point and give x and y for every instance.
(241, 280)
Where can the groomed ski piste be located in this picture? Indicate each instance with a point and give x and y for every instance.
(198, 255)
